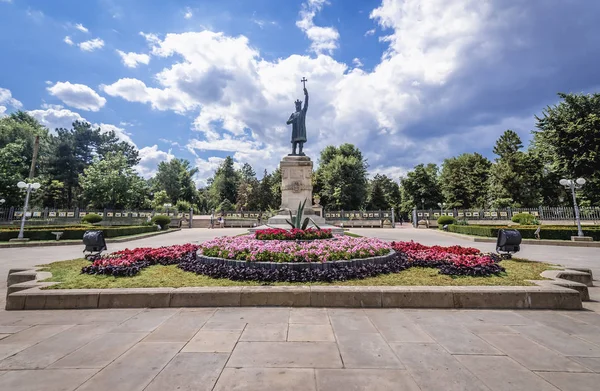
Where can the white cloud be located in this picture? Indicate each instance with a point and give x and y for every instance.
(149, 159)
(78, 96)
(357, 63)
(56, 117)
(120, 132)
(81, 28)
(131, 59)
(68, 41)
(188, 13)
(368, 33)
(152, 39)
(6, 99)
(324, 39)
(91, 45)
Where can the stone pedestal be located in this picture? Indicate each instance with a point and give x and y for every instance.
(296, 187)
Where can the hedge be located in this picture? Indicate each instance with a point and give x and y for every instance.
(70, 233)
(554, 232)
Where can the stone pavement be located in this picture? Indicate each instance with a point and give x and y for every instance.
(298, 349)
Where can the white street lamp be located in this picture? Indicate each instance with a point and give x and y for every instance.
(442, 206)
(28, 187)
(574, 185)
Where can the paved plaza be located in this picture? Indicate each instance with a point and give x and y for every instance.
(300, 348)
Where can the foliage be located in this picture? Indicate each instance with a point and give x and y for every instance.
(224, 184)
(160, 199)
(75, 232)
(293, 234)
(524, 218)
(92, 218)
(341, 179)
(111, 183)
(161, 220)
(446, 220)
(377, 199)
(568, 141)
(175, 177)
(463, 180)
(225, 206)
(129, 262)
(296, 222)
(527, 232)
(421, 184)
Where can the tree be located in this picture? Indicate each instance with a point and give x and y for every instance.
(568, 143)
(390, 189)
(463, 180)
(159, 200)
(224, 184)
(515, 177)
(341, 179)
(111, 183)
(175, 177)
(421, 187)
(377, 200)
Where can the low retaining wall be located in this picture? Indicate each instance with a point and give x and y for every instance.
(295, 265)
(25, 294)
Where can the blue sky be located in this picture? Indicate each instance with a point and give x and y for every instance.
(408, 81)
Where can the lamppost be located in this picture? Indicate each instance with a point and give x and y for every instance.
(423, 203)
(442, 205)
(574, 184)
(167, 206)
(28, 187)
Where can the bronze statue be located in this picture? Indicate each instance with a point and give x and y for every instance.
(298, 121)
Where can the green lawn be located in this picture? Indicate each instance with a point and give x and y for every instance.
(68, 272)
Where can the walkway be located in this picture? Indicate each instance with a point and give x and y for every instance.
(299, 349)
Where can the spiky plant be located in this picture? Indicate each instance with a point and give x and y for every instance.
(297, 221)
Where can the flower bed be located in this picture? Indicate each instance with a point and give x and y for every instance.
(246, 248)
(454, 260)
(129, 262)
(293, 234)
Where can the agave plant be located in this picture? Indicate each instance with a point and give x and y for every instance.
(297, 221)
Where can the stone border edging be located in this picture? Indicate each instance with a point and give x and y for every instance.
(294, 265)
(27, 295)
(547, 242)
(71, 242)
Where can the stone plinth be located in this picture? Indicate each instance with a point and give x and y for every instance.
(296, 183)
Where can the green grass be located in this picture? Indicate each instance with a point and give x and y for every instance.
(80, 241)
(351, 234)
(68, 273)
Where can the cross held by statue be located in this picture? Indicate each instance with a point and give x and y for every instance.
(304, 81)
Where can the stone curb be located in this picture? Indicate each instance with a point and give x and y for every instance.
(294, 265)
(546, 295)
(541, 242)
(80, 243)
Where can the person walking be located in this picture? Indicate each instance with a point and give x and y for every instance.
(212, 221)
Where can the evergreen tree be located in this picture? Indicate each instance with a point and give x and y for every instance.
(463, 180)
(421, 188)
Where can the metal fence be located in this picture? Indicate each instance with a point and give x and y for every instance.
(542, 213)
(71, 216)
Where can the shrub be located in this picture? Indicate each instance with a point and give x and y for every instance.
(92, 218)
(162, 221)
(524, 219)
(445, 220)
(554, 232)
(76, 232)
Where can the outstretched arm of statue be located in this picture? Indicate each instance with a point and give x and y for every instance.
(305, 99)
(291, 120)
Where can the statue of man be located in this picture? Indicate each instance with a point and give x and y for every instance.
(298, 121)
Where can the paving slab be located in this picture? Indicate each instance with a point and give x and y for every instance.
(146, 321)
(309, 315)
(458, 340)
(285, 355)
(115, 315)
(592, 363)
(181, 327)
(365, 379)
(501, 373)
(135, 369)
(100, 352)
(252, 315)
(2, 336)
(366, 350)
(433, 368)
(500, 317)
(35, 334)
(263, 379)
(54, 348)
(573, 381)
(299, 332)
(47, 380)
(224, 326)
(395, 326)
(265, 332)
(12, 329)
(190, 372)
(563, 343)
(213, 341)
(531, 354)
(357, 322)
